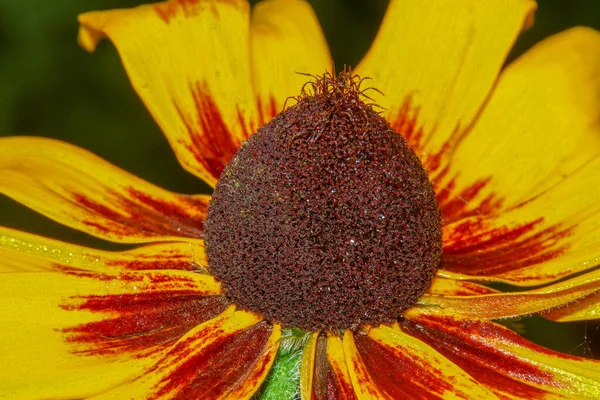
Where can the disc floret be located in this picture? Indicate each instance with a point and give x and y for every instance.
(325, 219)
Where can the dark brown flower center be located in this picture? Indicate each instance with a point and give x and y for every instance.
(325, 219)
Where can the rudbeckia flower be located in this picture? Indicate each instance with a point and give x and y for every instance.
(354, 235)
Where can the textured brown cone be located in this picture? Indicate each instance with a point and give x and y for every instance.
(325, 219)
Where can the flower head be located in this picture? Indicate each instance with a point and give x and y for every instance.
(346, 252)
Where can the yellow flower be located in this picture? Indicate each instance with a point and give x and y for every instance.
(512, 154)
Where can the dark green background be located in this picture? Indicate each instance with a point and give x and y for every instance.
(50, 87)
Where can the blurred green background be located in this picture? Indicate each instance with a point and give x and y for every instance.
(50, 87)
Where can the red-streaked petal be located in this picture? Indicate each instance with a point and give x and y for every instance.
(542, 123)
(509, 365)
(588, 308)
(436, 64)
(80, 190)
(364, 385)
(60, 329)
(401, 366)
(512, 304)
(286, 40)
(53, 254)
(550, 237)
(331, 379)
(190, 63)
(452, 287)
(227, 357)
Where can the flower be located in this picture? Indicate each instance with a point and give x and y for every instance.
(512, 154)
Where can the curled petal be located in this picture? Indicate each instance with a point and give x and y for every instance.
(454, 287)
(513, 304)
(587, 308)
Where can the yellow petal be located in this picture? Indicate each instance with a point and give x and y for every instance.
(436, 63)
(307, 366)
(500, 359)
(190, 64)
(255, 376)
(286, 40)
(52, 253)
(365, 387)
(80, 190)
(545, 239)
(540, 125)
(225, 358)
(585, 309)
(78, 332)
(453, 287)
(513, 304)
(404, 367)
(337, 383)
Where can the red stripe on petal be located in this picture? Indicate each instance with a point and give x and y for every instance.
(169, 10)
(178, 214)
(212, 142)
(188, 8)
(406, 123)
(144, 323)
(179, 262)
(266, 114)
(144, 280)
(329, 383)
(454, 206)
(470, 344)
(164, 308)
(397, 375)
(475, 248)
(218, 368)
(144, 214)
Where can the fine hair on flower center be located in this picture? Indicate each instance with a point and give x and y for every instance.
(325, 218)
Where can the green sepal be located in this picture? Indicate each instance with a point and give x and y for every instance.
(283, 381)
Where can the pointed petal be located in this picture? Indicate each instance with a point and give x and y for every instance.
(286, 40)
(80, 190)
(51, 254)
(225, 358)
(307, 367)
(404, 367)
(540, 125)
(509, 365)
(189, 61)
(513, 304)
(436, 75)
(545, 239)
(332, 379)
(78, 332)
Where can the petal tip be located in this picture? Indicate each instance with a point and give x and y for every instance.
(88, 37)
